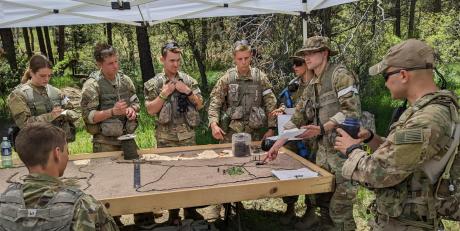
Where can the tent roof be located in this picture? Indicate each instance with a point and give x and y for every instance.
(31, 13)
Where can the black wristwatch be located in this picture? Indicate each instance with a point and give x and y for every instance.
(370, 137)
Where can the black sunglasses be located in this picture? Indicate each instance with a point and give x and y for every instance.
(387, 75)
(170, 45)
(298, 63)
(243, 42)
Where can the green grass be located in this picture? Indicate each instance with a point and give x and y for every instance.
(63, 81)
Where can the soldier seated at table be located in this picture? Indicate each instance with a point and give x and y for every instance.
(43, 201)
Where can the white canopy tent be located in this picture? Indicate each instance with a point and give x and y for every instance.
(32, 13)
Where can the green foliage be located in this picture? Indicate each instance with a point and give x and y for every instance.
(235, 170)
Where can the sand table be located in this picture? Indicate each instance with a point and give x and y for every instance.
(112, 177)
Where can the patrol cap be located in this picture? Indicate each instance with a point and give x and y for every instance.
(410, 54)
(317, 43)
(298, 55)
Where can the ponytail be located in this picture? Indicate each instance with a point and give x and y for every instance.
(26, 76)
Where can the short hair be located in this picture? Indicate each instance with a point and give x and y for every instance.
(241, 45)
(102, 51)
(170, 46)
(35, 142)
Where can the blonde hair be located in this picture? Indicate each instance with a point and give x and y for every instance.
(242, 45)
(36, 62)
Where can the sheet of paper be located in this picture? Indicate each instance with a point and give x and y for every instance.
(301, 173)
(282, 120)
(291, 133)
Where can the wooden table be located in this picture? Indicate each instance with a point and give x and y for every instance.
(119, 202)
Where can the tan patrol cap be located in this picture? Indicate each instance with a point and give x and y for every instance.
(317, 43)
(411, 53)
(298, 55)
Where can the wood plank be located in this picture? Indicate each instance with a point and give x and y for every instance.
(216, 195)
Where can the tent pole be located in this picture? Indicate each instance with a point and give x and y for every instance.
(304, 22)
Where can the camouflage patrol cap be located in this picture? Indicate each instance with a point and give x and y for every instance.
(411, 53)
(298, 55)
(317, 43)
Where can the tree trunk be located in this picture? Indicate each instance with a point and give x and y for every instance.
(8, 45)
(397, 15)
(25, 33)
(49, 48)
(374, 16)
(109, 33)
(32, 39)
(41, 41)
(145, 54)
(204, 43)
(199, 58)
(437, 6)
(411, 25)
(325, 16)
(61, 42)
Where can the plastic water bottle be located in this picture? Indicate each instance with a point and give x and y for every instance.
(6, 153)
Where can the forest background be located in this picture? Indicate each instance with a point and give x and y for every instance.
(361, 31)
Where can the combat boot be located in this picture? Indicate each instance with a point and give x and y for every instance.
(288, 215)
(173, 218)
(191, 213)
(309, 219)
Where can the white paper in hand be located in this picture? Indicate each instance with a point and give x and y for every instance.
(292, 133)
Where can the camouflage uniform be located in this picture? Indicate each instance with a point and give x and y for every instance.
(178, 131)
(403, 193)
(298, 97)
(404, 169)
(98, 94)
(332, 97)
(233, 91)
(88, 213)
(29, 103)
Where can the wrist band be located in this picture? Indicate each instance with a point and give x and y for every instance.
(164, 98)
(370, 137)
(111, 112)
(321, 128)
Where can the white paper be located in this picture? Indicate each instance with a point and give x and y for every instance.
(292, 133)
(282, 120)
(301, 173)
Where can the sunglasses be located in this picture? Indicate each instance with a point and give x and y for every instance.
(243, 42)
(107, 51)
(170, 46)
(298, 63)
(386, 75)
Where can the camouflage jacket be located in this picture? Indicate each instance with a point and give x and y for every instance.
(345, 86)
(90, 99)
(177, 130)
(394, 170)
(89, 213)
(21, 112)
(220, 91)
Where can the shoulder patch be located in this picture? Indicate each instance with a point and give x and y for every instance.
(409, 136)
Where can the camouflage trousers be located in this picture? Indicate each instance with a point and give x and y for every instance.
(383, 223)
(100, 147)
(339, 202)
(164, 143)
